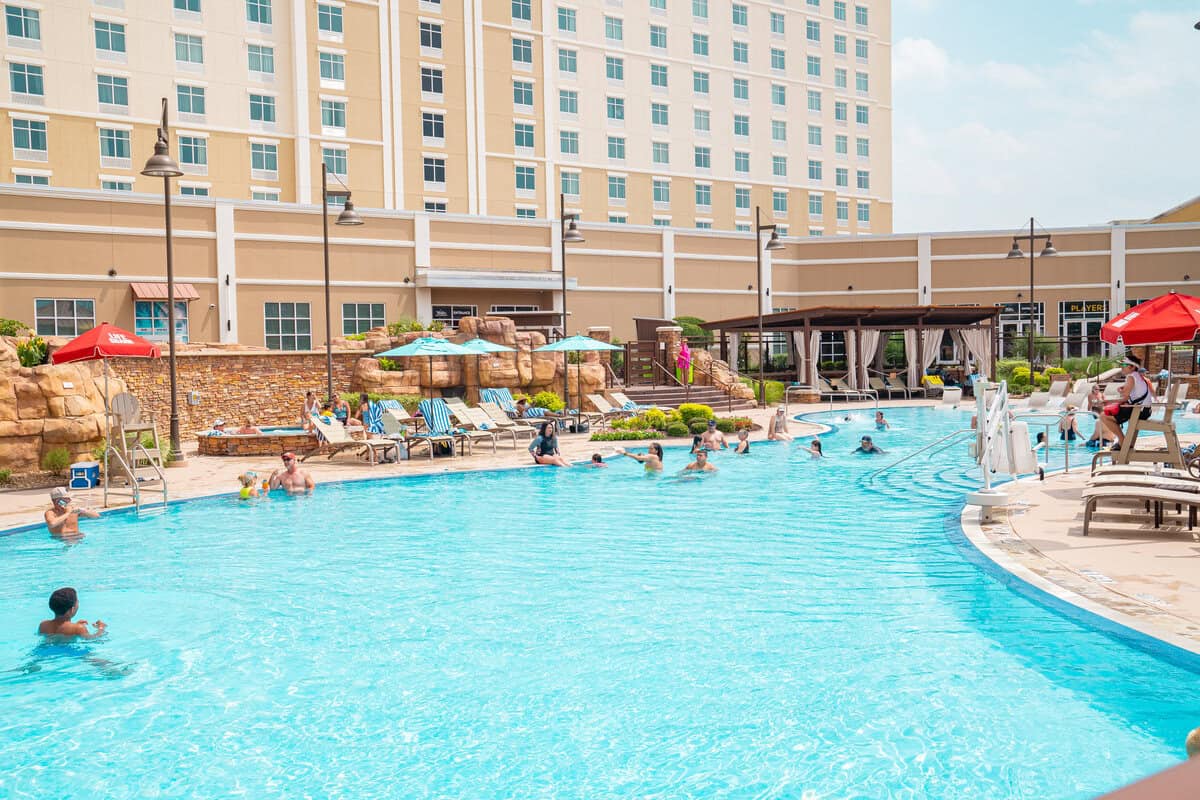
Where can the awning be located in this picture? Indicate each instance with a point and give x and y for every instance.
(158, 291)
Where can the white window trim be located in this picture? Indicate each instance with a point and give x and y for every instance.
(116, 126)
(175, 134)
(37, 62)
(261, 140)
(28, 117)
(195, 184)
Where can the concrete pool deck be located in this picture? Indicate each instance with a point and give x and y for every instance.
(1133, 574)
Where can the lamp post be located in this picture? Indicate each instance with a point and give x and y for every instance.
(1048, 250)
(161, 165)
(568, 232)
(772, 244)
(348, 217)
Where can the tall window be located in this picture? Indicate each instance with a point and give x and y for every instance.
(23, 23)
(703, 157)
(839, 44)
(522, 93)
(741, 162)
(741, 53)
(840, 142)
(814, 66)
(29, 139)
(190, 6)
(862, 115)
(861, 82)
(779, 166)
(840, 111)
(522, 51)
(431, 81)
(660, 152)
(700, 9)
(616, 188)
(614, 29)
(67, 317)
(434, 170)
(614, 68)
(361, 317)
(814, 135)
(778, 130)
(262, 108)
(110, 36)
(333, 114)
(329, 18)
(566, 20)
(863, 179)
(741, 198)
(812, 30)
(778, 59)
(815, 171)
(616, 148)
(658, 75)
(860, 49)
(741, 89)
(190, 99)
(522, 10)
(777, 23)
(193, 151)
(568, 142)
(332, 66)
(704, 195)
(843, 211)
(741, 125)
(660, 114)
(569, 183)
(700, 82)
(523, 135)
(700, 44)
(860, 16)
(258, 11)
(816, 205)
(189, 49)
(261, 58)
(433, 125)
(336, 160)
(841, 178)
(658, 37)
(741, 16)
(839, 78)
(702, 120)
(151, 321)
(779, 201)
(662, 192)
(287, 326)
(615, 107)
(839, 10)
(864, 147)
(26, 79)
(778, 95)
(264, 160)
(526, 178)
(114, 144)
(431, 35)
(864, 212)
(568, 101)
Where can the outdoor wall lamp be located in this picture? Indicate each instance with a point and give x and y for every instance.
(850, 288)
(112, 272)
(1187, 277)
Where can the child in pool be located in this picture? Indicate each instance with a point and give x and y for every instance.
(249, 481)
(65, 604)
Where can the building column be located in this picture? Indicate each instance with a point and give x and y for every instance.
(385, 105)
(226, 273)
(1116, 276)
(300, 99)
(668, 273)
(424, 304)
(924, 286)
(768, 275)
(421, 246)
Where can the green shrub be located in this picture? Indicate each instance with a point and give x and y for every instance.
(56, 460)
(436, 325)
(690, 412)
(738, 422)
(693, 332)
(12, 327)
(677, 429)
(32, 352)
(390, 365)
(402, 325)
(1090, 366)
(1054, 371)
(355, 337)
(698, 426)
(409, 401)
(654, 418)
(549, 401)
(725, 425)
(624, 436)
(1005, 367)
(5, 477)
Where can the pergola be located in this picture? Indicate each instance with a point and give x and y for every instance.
(976, 327)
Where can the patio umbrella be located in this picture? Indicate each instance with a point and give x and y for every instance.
(1167, 319)
(426, 346)
(575, 344)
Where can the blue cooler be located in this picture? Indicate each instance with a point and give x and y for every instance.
(85, 474)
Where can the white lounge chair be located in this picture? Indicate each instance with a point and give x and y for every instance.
(334, 439)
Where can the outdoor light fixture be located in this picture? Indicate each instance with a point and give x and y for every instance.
(112, 272)
(568, 232)
(1047, 250)
(1016, 251)
(348, 216)
(1187, 277)
(773, 243)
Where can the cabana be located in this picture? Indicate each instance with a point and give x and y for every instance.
(974, 328)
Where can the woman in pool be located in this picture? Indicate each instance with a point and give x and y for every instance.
(653, 459)
(777, 428)
(815, 449)
(544, 448)
(743, 443)
(697, 445)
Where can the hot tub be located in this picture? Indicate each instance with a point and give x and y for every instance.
(273, 440)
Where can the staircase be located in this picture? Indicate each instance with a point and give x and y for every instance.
(673, 396)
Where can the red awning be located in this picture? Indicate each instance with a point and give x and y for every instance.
(158, 291)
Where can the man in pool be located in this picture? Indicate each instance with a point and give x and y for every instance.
(701, 463)
(62, 518)
(65, 604)
(712, 438)
(291, 477)
(868, 447)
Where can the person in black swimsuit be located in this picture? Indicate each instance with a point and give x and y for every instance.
(743, 443)
(544, 448)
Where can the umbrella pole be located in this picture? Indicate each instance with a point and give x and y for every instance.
(107, 444)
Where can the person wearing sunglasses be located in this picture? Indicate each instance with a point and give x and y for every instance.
(291, 477)
(62, 518)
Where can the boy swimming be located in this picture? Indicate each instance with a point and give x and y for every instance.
(64, 603)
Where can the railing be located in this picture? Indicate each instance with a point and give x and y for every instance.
(129, 472)
(990, 421)
(945, 439)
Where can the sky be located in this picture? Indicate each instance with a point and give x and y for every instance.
(1076, 112)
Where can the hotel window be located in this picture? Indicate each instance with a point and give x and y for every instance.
(526, 213)
(863, 179)
(433, 127)
(779, 201)
(779, 166)
(55, 317)
(110, 36)
(526, 178)
(741, 198)
(778, 95)
(860, 16)
(618, 219)
(662, 222)
(703, 158)
(662, 192)
(701, 120)
(814, 66)
(190, 99)
(658, 37)
(522, 10)
(523, 135)
(568, 61)
(189, 49)
(261, 58)
(741, 227)
(840, 144)
(839, 10)
(264, 161)
(704, 225)
(193, 151)
(616, 148)
(839, 78)
(27, 179)
(864, 147)
(778, 130)
(660, 152)
(812, 30)
(337, 161)
(434, 170)
(26, 79)
(777, 23)
(814, 135)
(265, 196)
(658, 75)
(741, 53)
(614, 68)
(660, 114)
(616, 108)
(840, 111)
(569, 183)
(329, 18)
(258, 11)
(700, 82)
(431, 36)
(522, 51)
(568, 101)
(361, 317)
(614, 29)
(23, 23)
(815, 171)
(568, 142)
(741, 125)
(116, 186)
(435, 206)
(839, 44)
(814, 3)
(700, 45)
(332, 67)
(841, 178)
(700, 9)
(741, 162)
(860, 49)
(29, 140)
(843, 212)
(864, 212)
(740, 15)
(262, 108)
(523, 94)
(778, 59)
(287, 326)
(432, 82)
(151, 320)
(741, 89)
(704, 195)
(452, 315)
(566, 20)
(190, 6)
(862, 115)
(861, 82)
(114, 147)
(658, 5)
(616, 188)
(816, 205)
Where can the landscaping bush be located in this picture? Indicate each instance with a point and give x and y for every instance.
(5, 477)
(436, 325)
(1005, 367)
(725, 425)
(549, 401)
(654, 418)
(774, 393)
(690, 412)
(409, 401)
(624, 436)
(33, 352)
(692, 331)
(1090, 366)
(699, 426)
(402, 325)
(677, 429)
(355, 337)
(12, 327)
(390, 365)
(733, 424)
(56, 460)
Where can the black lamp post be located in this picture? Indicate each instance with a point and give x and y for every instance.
(1048, 250)
(569, 232)
(161, 165)
(772, 244)
(348, 217)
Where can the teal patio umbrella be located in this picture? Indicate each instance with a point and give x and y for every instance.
(575, 344)
(426, 346)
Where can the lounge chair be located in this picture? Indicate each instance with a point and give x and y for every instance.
(504, 422)
(334, 438)
(933, 384)
(902, 380)
(436, 414)
(951, 397)
(607, 410)
(1150, 496)
(1057, 396)
(831, 391)
(626, 404)
(501, 397)
(402, 428)
(474, 419)
(877, 383)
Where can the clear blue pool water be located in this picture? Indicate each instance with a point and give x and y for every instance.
(779, 630)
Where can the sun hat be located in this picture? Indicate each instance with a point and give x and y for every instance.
(59, 493)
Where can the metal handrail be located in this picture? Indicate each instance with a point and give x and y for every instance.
(916, 453)
(112, 455)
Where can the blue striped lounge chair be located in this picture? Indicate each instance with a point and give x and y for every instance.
(436, 414)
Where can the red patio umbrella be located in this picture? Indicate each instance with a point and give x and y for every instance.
(1169, 319)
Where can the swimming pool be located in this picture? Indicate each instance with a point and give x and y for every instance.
(781, 629)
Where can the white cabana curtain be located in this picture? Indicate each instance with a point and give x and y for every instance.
(868, 346)
(798, 346)
(814, 358)
(851, 359)
(978, 342)
(734, 342)
(930, 346)
(910, 358)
